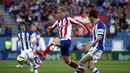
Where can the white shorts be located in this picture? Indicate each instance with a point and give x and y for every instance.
(28, 54)
(95, 54)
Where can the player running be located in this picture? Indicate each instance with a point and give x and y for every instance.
(35, 37)
(25, 47)
(96, 46)
(64, 40)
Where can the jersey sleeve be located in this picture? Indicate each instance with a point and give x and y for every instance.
(19, 41)
(100, 28)
(54, 25)
(38, 34)
(73, 21)
(18, 35)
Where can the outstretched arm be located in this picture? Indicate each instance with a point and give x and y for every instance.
(19, 42)
(51, 28)
(73, 21)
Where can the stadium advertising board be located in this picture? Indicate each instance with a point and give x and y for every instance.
(76, 55)
(110, 43)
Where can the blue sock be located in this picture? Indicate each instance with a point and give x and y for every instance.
(94, 69)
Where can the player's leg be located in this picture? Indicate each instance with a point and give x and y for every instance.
(83, 60)
(92, 67)
(65, 45)
(32, 61)
(38, 60)
(70, 62)
(90, 57)
(49, 48)
(96, 54)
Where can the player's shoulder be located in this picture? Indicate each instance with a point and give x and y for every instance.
(69, 17)
(18, 33)
(28, 32)
(37, 32)
(100, 23)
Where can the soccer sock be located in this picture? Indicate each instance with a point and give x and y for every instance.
(47, 50)
(94, 69)
(34, 65)
(80, 68)
(30, 63)
(38, 60)
(73, 64)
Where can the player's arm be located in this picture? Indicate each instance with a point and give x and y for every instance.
(38, 39)
(19, 42)
(73, 21)
(87, 46)
(51, 28)
(96, 41)
(100, 32)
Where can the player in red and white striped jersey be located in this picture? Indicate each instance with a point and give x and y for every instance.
(64, 40)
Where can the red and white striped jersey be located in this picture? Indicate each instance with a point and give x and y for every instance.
(65, 27)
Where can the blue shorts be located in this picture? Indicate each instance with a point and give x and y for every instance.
(65, 45)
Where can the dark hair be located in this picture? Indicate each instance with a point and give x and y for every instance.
(21, 25)
(93, 13)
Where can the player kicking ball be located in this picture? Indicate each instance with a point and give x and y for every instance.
(96, 46)
(64, 41)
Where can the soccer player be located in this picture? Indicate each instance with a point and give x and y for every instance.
(64, 40)
(96, 46)
(35, 37)
(26, 49)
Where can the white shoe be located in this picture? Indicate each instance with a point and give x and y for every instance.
(35, 71)
(19, 66)
(31, 69)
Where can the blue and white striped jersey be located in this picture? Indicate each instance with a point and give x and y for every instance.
(24, 40)
(34, 37)
(99, 29)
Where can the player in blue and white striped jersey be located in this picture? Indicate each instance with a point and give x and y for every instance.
(96, 46)
(25, 46)
(35, 38)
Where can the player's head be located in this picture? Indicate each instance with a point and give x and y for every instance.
(22, 27)
(92, 15)
(61, 12)
(33, 28)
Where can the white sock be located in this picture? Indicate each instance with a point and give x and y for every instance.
(94, 69)
(35, 71)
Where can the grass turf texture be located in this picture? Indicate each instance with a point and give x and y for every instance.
(61, 67)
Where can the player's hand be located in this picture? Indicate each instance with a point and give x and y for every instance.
(88, 46)
(84, 49)
(83, 45)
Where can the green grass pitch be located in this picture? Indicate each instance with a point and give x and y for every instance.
(61, 67)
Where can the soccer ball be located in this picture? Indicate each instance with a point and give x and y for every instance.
(21, 58)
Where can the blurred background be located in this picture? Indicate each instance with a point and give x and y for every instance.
(42, 13)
